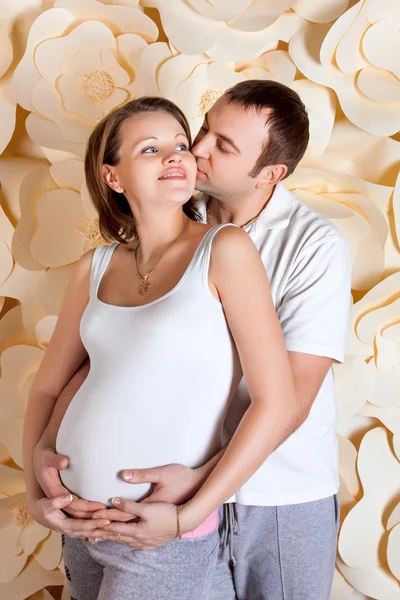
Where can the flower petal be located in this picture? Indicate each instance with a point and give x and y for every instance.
(7, 111)
(51, 288)
(47, 134)
(21, 285)
(49, 552)
(37, 181)
(120, 19)
(11, 566)
(58, 240)
(32, 579)
(318, 12)
(11, 435)
(379, 471)
(50, 23)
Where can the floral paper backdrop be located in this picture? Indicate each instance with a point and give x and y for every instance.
(63, 65)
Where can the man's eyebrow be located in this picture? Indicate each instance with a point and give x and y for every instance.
(226, 139)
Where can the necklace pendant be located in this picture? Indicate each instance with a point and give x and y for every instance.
(143, 287)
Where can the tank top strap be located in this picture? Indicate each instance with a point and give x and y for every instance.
(101, 257)
(202, 257)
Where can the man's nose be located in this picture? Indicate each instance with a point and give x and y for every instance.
(200, 148)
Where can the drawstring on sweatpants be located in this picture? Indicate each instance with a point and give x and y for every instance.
(231, 528)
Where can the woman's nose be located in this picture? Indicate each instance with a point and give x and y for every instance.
(173, 157)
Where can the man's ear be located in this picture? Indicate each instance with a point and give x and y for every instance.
(110, 178)
(271, 175)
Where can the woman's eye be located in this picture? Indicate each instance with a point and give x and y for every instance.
(149, 150)
(221, 148)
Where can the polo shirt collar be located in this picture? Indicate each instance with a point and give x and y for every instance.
(276, 215)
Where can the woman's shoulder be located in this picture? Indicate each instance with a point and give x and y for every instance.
(231, 239)
(233, 247)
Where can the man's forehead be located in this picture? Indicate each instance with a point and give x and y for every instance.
(234, 120)
(230, 112)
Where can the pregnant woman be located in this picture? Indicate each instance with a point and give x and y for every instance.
(171, 313)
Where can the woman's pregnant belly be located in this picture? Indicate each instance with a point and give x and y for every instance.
(108, 429)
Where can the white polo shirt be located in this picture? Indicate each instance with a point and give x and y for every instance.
(308, 265)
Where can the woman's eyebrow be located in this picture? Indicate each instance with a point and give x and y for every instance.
(154, 138)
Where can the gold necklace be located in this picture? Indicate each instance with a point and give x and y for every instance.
(143, 286)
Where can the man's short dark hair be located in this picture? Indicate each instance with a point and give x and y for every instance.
(286, 119)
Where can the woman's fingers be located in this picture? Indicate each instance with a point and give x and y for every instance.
(81, 528)
(86, 505)
(133, 508)
(114, 514)
(130, 530)
(60, 502)
(76, 514)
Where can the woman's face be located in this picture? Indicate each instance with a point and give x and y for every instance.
(156, 165)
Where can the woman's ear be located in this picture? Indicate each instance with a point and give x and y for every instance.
(271, 175)
(110, 178)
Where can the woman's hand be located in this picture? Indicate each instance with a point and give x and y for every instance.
(151, 526)
(46, 467)
(48, 512)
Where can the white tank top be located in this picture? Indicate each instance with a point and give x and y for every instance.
(161, 379)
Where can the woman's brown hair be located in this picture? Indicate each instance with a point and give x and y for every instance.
(116, 221)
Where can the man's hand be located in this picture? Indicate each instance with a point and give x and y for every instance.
(47, 465)
(48, 512)
(174, 483)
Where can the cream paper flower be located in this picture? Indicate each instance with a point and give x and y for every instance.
(359, 209)
(227, 31)
(22, 540)
(358, 58)
(363, 547)
(56, 223)
(196, 82)
(20, 536)
(80, 62)
(15, 18)
(19, 364)
(374, 335)
(31, 582)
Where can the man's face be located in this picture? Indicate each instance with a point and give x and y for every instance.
(227, 148)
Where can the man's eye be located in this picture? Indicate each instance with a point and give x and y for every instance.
(221, 148)
(149, 150)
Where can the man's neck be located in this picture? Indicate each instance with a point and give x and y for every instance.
(239, 213)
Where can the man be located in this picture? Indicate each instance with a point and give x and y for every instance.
(281, 525)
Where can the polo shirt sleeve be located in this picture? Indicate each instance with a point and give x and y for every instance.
(316, 303)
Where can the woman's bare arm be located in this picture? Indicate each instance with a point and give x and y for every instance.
(49, 436)
(62, 358)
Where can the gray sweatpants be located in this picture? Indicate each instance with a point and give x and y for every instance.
(182, 570)
(259, 553)
(277, 552)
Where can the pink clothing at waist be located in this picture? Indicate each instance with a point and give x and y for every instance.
(205, 528)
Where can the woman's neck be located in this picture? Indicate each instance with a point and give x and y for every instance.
(156, 232)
